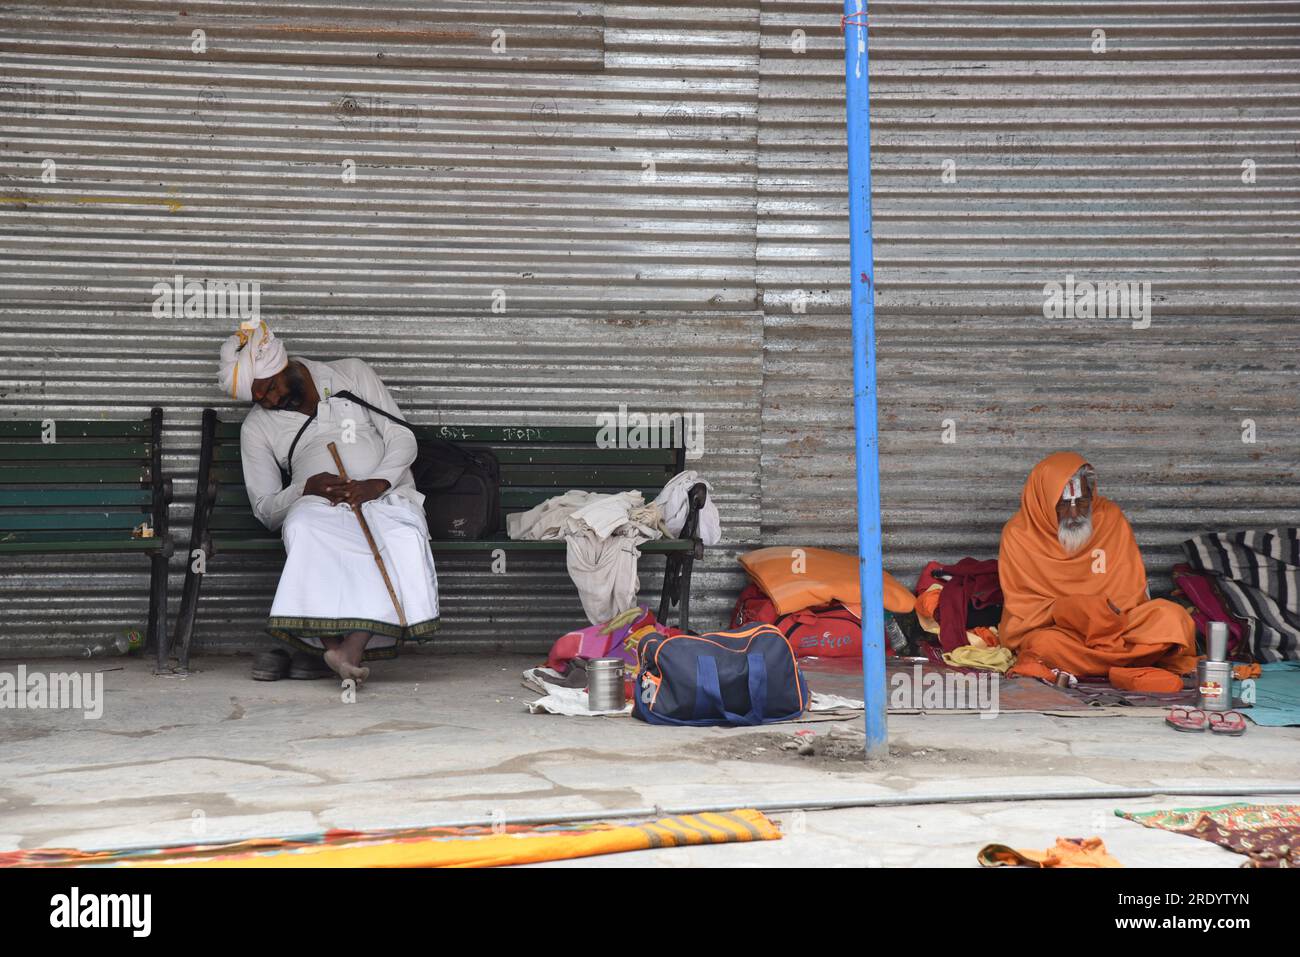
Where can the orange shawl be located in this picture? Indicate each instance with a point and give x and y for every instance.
(1035, 571)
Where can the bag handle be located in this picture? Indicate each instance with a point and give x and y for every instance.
(708, 689)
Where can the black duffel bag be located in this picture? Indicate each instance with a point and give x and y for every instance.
(461, 488)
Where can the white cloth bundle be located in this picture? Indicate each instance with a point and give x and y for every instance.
(603, 533)
(674, 500)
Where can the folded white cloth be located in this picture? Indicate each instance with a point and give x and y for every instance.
(605, 514)
(833, 702)
(548, 520)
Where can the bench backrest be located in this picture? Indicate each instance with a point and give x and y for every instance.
(67, 484)
(537, 462)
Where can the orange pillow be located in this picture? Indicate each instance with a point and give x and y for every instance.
(816, 577)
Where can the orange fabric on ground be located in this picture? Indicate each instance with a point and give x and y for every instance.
(925, 608)
(928, 601)
(1153, 680)
(1057, 608)
(1066, 852)
(1242, 672)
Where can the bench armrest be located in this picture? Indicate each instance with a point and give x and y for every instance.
(696, 497)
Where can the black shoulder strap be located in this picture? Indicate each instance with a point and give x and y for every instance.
(293, 445)
(362, 402)
(442, 445)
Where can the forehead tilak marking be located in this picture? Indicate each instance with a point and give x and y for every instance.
(1073, 490)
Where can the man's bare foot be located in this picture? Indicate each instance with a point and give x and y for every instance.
(359, 673)
(353, 650)
(334, 658)
(344, 668)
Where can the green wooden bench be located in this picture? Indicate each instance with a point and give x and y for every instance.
(536, 464)
(84, 493)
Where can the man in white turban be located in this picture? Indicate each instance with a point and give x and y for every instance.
(331, 599)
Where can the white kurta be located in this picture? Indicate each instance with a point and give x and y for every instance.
(331, 584)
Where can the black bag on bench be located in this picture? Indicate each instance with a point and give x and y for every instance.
(461, 488)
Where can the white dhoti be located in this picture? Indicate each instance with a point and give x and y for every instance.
(331, 585)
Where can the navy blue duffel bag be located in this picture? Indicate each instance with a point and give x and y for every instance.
(748, 676)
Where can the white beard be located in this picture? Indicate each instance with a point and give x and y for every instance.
(1073, 539)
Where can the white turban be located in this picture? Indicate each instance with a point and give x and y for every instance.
(251, 353)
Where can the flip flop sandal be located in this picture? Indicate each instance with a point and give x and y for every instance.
(1181, 719)
(1229, 722)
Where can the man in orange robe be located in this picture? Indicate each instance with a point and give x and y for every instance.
(1075, 592)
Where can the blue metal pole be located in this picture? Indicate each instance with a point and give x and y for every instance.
(863, 299)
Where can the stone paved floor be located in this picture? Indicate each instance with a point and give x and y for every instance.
(437, 739)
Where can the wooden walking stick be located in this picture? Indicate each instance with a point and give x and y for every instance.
(374, 549)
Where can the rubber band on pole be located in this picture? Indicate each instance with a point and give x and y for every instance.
(852, 20)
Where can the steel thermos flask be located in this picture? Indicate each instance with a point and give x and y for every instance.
(605, 684)
(1214, 675)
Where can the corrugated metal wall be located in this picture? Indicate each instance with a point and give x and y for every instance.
(525, 169)
(1123, 165)
(659, 192)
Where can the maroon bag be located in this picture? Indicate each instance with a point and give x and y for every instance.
(753, 607)
(1201, 592)
(829, 632)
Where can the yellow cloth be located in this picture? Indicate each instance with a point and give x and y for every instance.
(489, 850)
(987, 659)
(928, 602)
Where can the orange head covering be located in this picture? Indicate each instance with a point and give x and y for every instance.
(1034, 570)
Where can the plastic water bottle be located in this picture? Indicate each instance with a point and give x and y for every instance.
(120, 645)
(894, 634)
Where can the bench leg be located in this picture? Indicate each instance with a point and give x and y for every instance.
(677, 590)
(663, 594)
(185, 617)
(668, 597)
(684, 594)
(157, 638)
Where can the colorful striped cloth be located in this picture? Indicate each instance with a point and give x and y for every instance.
(1258, 574)
(425, 847)
(1268, 834)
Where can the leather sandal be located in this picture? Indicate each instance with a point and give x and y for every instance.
(1186, 719)
(1230, 723)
